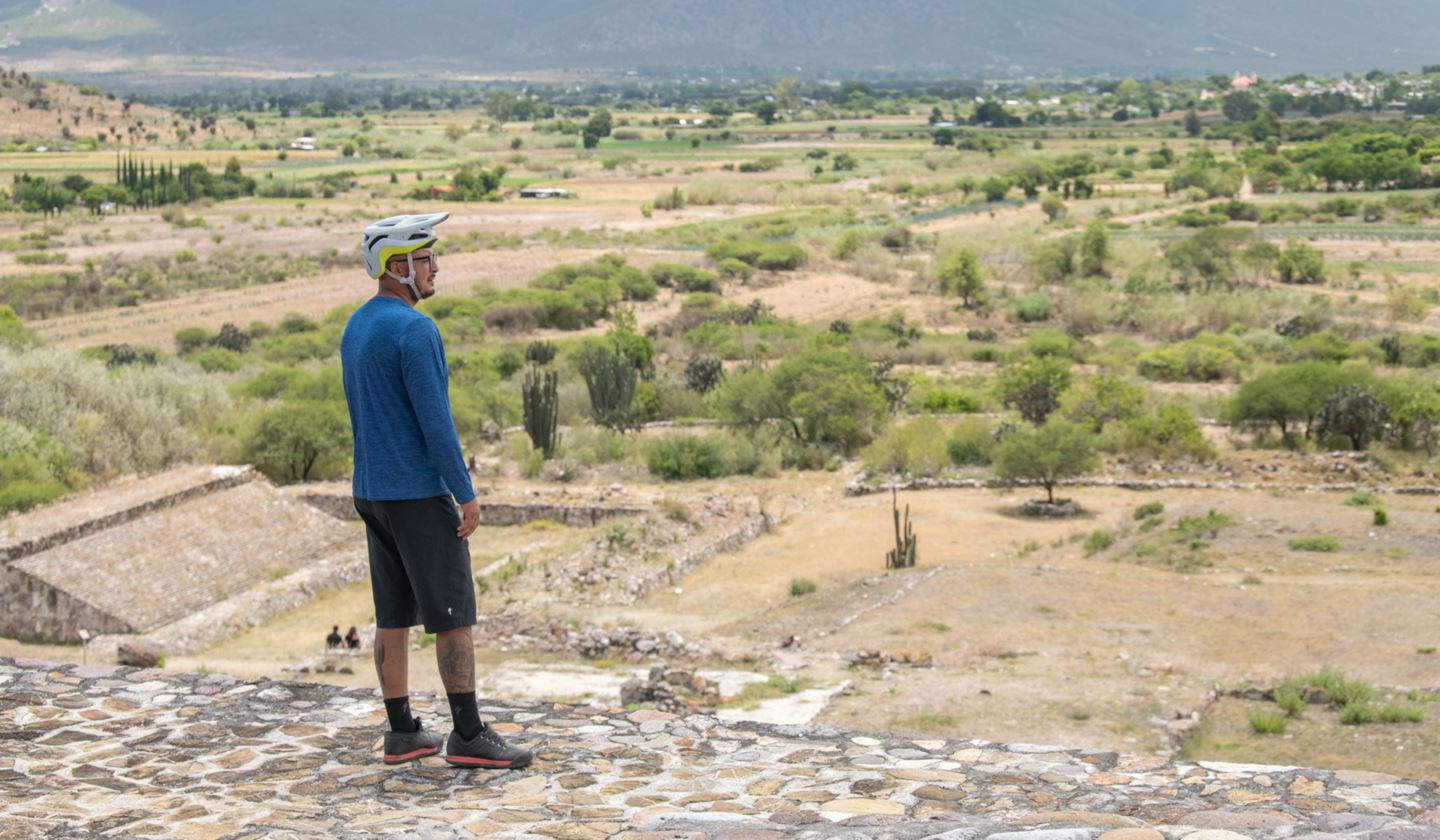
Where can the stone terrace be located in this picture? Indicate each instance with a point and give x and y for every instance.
(109, 751)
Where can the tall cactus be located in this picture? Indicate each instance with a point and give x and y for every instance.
(610, 379)
(903, 554)
(542, 408)
(541, 352)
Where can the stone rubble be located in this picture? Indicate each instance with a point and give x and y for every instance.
(105, 751)
(514, 631)
(671, 690)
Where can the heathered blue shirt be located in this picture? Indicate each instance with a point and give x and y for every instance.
(397, 387)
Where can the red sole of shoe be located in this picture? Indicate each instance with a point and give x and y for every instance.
(411, 756)
(466, 761)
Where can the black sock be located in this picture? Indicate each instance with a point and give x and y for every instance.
(465, 715)
(398, 710)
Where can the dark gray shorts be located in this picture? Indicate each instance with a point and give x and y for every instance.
(419, 571)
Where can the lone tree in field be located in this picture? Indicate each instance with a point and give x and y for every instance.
(960, 275)
(1046, 454)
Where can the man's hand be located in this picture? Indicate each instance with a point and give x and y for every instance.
(469, 518)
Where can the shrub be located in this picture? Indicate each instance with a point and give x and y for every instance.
(1149, 509)
(948, 401)
(1031, 309)
(685, 457)
(26, 482)
(781, 256)
(1034, 386)
(1266, 722)
(1207, 358)
(802, 586)
(1098, 541)
(1290, 697)
(1365, 499)
(970, 442)
(1315, 543)
(915, 448)
(733, 269)
(1357, 714)
(1300, 262)
(847, 246)
(218, 360)
(1381, 519)
(1399, 713)
(190, 339)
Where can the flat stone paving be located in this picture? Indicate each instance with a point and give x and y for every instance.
(105, 751)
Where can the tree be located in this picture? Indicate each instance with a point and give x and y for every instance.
(12, 330)
(704, 374)
(1300, 262)
(1101, 400)
(961, 275)
(1053, 207)
(995, 188)
(1290, 396)
(767, 111)
(1355, 412)
(300, 441)
(1046, 454)
(1240, 106)
(1192, 123)
(821, 396)
(1094, 250)
(1033, 386)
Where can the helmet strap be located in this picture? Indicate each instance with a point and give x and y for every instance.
(409, 279)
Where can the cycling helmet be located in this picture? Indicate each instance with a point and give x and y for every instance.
(399, 235)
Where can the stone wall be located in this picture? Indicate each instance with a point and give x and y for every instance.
(494, 514)
(33, 610)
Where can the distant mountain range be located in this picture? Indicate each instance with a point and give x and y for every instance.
(973, 38)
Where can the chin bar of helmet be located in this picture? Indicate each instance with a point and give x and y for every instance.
(408, 279)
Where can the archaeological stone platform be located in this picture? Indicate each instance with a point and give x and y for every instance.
(105, 751)
(143, 554)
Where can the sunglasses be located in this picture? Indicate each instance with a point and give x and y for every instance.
(428, 258)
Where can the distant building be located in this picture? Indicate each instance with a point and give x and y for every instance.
(544, 192)
(1243, 82)
(304, 144)
(439, 191)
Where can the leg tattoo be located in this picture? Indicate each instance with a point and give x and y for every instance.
(455, 654)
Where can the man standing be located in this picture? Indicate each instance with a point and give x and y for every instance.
(409, 478)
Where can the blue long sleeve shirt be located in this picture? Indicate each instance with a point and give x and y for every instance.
(397, 388)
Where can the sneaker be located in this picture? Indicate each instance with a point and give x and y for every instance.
(401, 747)
(487, 749)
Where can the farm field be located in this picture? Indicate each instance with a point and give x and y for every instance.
(808, 310)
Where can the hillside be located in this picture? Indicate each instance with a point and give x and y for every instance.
(983, 37)
(46, 111)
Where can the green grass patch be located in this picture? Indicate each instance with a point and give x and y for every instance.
(1366, 499)
(1267, 722)
(802, 586)
(1098, 541)
(753, 693)
(1357, 714)
(1149, 509)
(1325, 544)
(1400, 713)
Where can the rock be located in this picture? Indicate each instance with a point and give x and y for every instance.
(139, 654)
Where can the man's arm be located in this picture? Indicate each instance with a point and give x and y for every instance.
(426, 383)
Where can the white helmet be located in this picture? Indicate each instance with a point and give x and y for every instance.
(399, 235)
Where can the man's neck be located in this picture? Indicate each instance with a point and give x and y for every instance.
(387, 292)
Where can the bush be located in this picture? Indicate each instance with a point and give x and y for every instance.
(1324, 544)
(218, 360)
(1300, 262)
(948, 401)
(1290, 697)
(1357, 714)
(190, 339)
(970, 442)
(1381, 519)
(26, 482)
(1031, 309)
(1399, 713)
(733, 269)
(686, 457)
(916, 448)
(781, 256)
(1098, 541)
(802, 586)
(1206, 358)
(1149, 509)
